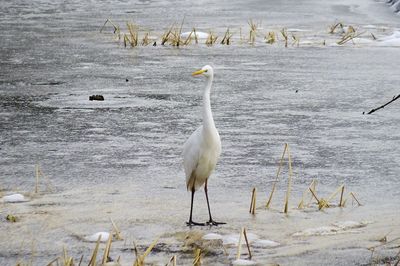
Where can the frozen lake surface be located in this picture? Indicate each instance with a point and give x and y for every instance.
(121, 158)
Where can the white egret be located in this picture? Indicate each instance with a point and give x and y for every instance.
(202, 150)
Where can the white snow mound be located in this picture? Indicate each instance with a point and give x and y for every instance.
(93, 238)
(199, 34)
(13, 198)
(212, 236)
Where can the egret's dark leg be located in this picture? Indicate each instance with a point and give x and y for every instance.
(190, 223)
(211, 221)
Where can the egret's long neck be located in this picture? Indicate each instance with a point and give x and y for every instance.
(208, 121)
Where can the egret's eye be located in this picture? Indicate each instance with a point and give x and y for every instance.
(206, 70)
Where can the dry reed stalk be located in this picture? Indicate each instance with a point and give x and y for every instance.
(197, 257)
(276, 178)
(66, 260)
(80, 261)
(313, 185)
(315, 196)
(239, 249)
(135, 249)
(384, 238)
(188, 39)
(196, 40)
(270, 38)
(116, 230)
(354, 197)
(253, 201)
(145, 40)
(172, 260)
(305, 192)
(301, 203)
(341, 197)
(335, 193)
(92, 261)
(166, 36)
(148, 250)
(351, 29)
(139, 261)
(176, 38)
(134, 35)
(333, 27)
(180, 31)
(126, 40)
(107, 250)
(322, 203)
(285, 36)
(247, 242)
(349, 35)
(296, 40)
(270, 196)
(211, 39)
(253, 31)
(69, 262)
(289, 181)
(227, 37)
(116, 27)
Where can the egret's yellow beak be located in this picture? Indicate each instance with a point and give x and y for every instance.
(198, 72)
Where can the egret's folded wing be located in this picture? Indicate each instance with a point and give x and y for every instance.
(191, 152)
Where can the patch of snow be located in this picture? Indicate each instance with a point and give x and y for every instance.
(212, 236)
(93, 238)
(14, 198)
(234, 239)
(199, 34)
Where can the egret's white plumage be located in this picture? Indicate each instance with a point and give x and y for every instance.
(203, 148)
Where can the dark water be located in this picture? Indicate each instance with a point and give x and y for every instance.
(312, 97)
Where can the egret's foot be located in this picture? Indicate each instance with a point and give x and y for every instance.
(212, 222)
(191, 223)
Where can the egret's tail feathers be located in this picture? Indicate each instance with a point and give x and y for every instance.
(191, 182)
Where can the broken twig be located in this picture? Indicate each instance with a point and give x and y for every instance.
(383, 106)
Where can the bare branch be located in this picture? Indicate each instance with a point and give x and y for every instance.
(383, 106)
